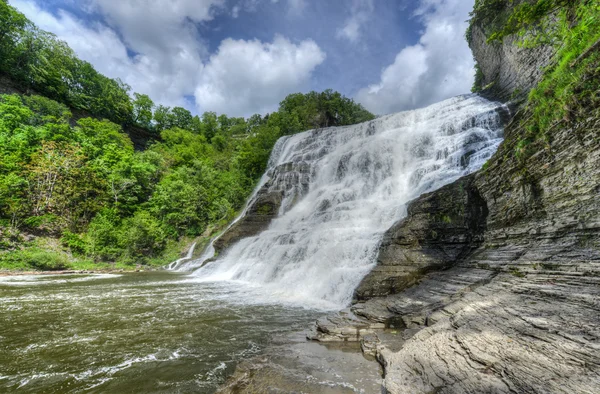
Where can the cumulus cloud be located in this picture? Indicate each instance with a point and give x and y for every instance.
(155, 48)
(166, 72)
(245, 77)
(360, 11)
(439, 66)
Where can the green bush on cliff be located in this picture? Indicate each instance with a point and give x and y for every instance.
(569, 87)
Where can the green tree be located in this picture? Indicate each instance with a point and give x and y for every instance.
(142, 110)
(182, 118)
(210, 125)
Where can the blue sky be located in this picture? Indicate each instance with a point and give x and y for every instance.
(241, 57)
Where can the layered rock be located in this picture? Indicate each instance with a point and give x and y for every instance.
(518, 310)
(259, 214)
(508, 69)
(440, 228)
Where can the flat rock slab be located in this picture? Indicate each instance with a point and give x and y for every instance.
(294, 365)
(482, 331)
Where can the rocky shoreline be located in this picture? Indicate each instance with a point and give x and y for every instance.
(490, 284)
(74, 272)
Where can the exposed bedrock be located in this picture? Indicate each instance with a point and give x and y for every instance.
(287, 182)
(440, 228)
(492, 282)
(509, 71)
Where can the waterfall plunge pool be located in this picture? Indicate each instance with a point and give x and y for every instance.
(146, 332)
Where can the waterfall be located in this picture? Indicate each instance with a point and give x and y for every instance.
(344, 187)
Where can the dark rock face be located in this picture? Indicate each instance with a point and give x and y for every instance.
(509, 71)
(440, 229)
(287, 183)
(546, 208)
(521, 295)
(257, 219)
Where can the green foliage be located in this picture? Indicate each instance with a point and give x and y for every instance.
(479, 78)
(85, 184)
(82, 182)
(142, 236)
(142, 110)
(35, 258)
(515, 271)
(315, 110)
(568, 90)
(39, 60)
(488, 14)
(570, 85)
(532, 20)
(73, 242)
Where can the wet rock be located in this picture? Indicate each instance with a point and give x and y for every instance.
(257, 219)
(511, 335)
(344, 326)
(294, 365)
(441, 228)
(518, 311)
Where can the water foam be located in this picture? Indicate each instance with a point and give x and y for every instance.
(344, 187)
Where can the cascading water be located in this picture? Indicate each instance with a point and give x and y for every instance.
(344, 187)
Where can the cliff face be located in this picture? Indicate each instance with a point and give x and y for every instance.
(287, 182)
(509, 71)
(495, 279)
(441, 228)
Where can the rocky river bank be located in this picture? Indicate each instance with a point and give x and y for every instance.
(490, 284)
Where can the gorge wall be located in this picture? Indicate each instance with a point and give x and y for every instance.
(494, 279)
(490, 284)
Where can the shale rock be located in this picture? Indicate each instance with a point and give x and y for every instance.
(441, 228)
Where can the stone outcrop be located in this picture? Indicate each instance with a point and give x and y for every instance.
(509, 71)
(518, 309)
(259, 214)
(287, 182)
(440, 228)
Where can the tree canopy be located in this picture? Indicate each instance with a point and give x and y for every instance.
(81, 181)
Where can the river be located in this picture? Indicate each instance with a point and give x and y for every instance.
(143, 332)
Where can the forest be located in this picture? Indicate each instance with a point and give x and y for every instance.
(74, 193)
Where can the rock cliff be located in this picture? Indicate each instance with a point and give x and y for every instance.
(493, 282)
(518, 310)
(508, 71)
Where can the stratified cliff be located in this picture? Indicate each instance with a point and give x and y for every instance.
(495, 279)
(508, 70)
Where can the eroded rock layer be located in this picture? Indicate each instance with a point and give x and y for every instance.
(518, 311)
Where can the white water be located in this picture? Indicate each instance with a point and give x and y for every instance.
(347, 186)
(209, 251)
(175, 264)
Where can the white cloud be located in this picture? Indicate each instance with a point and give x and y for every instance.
(295, 7)
(361, 11)
(170, 61)
(167, 72)
(439, 66)
(245, 77)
